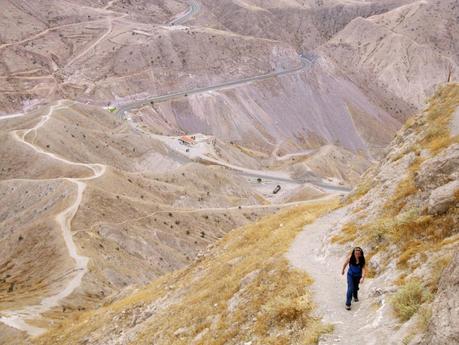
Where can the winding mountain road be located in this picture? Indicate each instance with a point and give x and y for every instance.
(18, 318)
(195, 7)
(158, 99)
(275, 176)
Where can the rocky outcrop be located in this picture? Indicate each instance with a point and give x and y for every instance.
(406, 209)
(444, 325)
(439, 170)
(442, 198)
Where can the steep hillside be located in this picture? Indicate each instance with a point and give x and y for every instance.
(116, 56)
(84, 200)
(302, 110)
(109, 58)
(240, 291)
(402, 54)
(405, 212)
(158, 159)
(303, 24)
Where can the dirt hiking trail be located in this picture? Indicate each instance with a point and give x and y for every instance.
(367, 322)
(18, 318)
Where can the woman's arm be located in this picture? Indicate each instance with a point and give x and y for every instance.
(344, 266)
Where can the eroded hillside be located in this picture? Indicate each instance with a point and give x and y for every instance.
(404, 213)
(240, 291)
(403, 54)
(77, 180)
(136, 134)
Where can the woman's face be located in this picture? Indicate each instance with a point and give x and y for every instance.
(358, 253)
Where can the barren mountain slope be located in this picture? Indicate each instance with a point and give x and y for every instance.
(115, 59)
(111, 58)
(22, 20)
(75, 178)
(402, 54)
(96, 203)
(331, 162)
(315, 106)
(303, 24)
(241, 291)
(405, 215)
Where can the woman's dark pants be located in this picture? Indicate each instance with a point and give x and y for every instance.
(352, 288)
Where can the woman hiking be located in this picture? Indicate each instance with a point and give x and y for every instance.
(355, 274)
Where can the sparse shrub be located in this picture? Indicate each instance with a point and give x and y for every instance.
(360, 191)
(408, 299)
(11, 287)
(437, 270)
(348, 233)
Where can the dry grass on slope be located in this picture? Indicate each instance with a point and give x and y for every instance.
(405, 222)
(243, 290)
(405, 227)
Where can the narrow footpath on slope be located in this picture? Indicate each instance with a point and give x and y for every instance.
(365, 323)
(18, 318)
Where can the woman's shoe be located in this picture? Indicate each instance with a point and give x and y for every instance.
(356, 299)
(348, 307)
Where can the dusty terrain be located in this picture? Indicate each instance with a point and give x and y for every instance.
(288, 102)
(243, 289)
(405, 214)
(403, 54)
(104, 196)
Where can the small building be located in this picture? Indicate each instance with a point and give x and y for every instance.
(187, 140)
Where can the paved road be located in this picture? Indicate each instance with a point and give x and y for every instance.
(195, 7)
(305, 62)
(157, 99)
(275, 176)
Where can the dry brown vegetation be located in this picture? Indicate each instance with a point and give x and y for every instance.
(243, 290)
(403, 222)
(409, 299)
(347, 234)
(438, 117)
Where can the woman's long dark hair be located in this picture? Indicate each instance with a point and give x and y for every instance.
(353, 260)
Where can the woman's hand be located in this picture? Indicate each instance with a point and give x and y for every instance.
(342, 271)
(362, 279)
